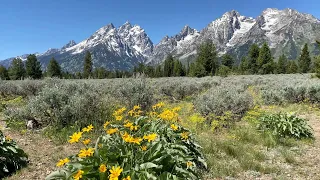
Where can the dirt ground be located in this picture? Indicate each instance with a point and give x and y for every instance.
(44, 154)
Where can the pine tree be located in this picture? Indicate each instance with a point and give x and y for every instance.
(17, 70)
(265, 60)
(158, 72)
(33, 67)
(178, 68)
(244, 65)
(227, 60)
(168, 66)
(304, 60)
(317, 63)
(292, 67)
(317, 66)
(207, 57)
(4, 73)
(191, 71)
(54, 69)
(282, 64)
(87, 67)
(253, 58)
(199, 70)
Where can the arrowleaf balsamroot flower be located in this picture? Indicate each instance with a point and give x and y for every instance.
(127, 178)
(88, 128)
(112, 131)
(86, 142)
(174, 127)
(134, 128)
(184, 135)
(143, 148)
(78, 175)
(137, 107)
(115, 173)
(106, 124)
(189, 164)
(128, 125)
(119, 118)
(86, 153)
(62, 162)
(75, 137)
(102, 168)
(159, 105)
(150, 137)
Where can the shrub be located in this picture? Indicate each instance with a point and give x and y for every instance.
(141, 147)
(65, 105)
(12, 157)
(285, 125)
(219, 100)
(135, 91)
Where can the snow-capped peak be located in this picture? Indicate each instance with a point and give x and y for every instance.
(69, 44)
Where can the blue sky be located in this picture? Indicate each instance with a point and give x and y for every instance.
(28, 26)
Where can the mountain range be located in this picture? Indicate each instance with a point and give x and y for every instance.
(286, 31)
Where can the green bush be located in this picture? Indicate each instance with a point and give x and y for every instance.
(12, 158)
(285, 125)
(218, 100)
(65, 105)
(141, 147)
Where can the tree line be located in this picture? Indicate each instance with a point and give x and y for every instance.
(32, 69)
(259, 60)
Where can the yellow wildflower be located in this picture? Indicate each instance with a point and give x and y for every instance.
(189, 164)
(119, 111)
(131, 113)
(88, 128)
(175, 109)
(136, 140)
(78, 175)
(86, 142)
(168, 115)
(137, 107)
(119, 118)
(150, 137)
(127, 178)
(128, 125)
(143, 148)
(106, 124)
(159, 105)
(134, 128)
(102, 168)
(8, 138)
(174, 127)
(86, 153)
(62, 162)
(184, 135)
(115, 173)
(112, 131)
(153, 113)
(75, 137)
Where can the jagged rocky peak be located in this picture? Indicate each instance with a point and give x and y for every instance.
(125, 27)
(187, 30)
(232, 13)
(69, 44)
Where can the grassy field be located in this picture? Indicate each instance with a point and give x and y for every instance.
(222, 113)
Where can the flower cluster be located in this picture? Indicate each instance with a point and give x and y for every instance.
(133, 144)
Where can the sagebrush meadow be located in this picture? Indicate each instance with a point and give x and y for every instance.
(168, 128)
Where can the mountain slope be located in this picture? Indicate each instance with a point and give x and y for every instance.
(285, 31)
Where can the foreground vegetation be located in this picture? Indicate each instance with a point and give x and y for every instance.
(235, 119)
